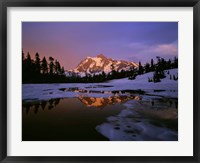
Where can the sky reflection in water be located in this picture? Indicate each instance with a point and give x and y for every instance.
(84, 118)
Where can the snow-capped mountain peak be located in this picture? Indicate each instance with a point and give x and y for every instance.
(100, 63)
(101, 56)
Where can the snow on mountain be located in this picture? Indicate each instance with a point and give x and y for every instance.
(100, 63)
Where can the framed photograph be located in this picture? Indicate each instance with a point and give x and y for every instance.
(105, 81)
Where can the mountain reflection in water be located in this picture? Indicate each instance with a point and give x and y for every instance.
(66, 119)
(101, 102)
(85, 118)
(87, 101)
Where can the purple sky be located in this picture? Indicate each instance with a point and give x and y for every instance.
(71, 42)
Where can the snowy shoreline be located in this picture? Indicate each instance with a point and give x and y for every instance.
(166, 88)
(136, 123)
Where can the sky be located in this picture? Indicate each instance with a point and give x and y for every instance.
(71, 42)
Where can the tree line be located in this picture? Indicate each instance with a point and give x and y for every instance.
(41, 71)
(50, 71)
(158, 68)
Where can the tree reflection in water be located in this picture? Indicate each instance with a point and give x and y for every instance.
(40, 104)
(75, 118)
(98, 102)
(87, 101)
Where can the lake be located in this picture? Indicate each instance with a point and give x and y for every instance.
(122, 115)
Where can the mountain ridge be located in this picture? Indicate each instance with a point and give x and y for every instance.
(100, 63)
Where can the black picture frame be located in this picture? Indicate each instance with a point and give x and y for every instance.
(97, 3)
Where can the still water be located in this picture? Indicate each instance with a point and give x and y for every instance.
(77, 118)
(66, 119)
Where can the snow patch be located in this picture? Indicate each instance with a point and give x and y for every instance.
(129, 125)
(165, 88)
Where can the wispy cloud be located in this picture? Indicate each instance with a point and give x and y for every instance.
(158, 49)
(143, 51)
(166, 49)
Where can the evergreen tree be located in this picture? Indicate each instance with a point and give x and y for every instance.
(62, 70)
(169, 64)
(175, 62)
(159, 70)
(152, 65)
(174, 77)
(29, 64)
(57, 67)
(51, 65)
(44, 66)
(141, 69)
(37, 64)
(156, 77)
(163, 64)
(28, 59)
(147, 68)
(103, 75)
(27, 68)
(113, 72)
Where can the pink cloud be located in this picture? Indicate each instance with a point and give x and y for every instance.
(166, 49)
(159, 49)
